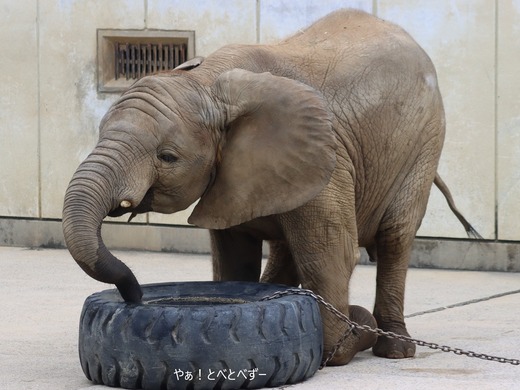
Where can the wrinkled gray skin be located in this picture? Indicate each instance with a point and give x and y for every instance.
(324, 143)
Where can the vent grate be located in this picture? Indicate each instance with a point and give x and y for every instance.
(124, 56)
(135, 60)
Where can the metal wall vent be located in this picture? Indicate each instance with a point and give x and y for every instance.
(135, 60)
(124, 56)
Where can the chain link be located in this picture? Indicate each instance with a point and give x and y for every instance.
(380, 332)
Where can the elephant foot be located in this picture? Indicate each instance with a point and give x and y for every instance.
(393, 348)
(358, 340)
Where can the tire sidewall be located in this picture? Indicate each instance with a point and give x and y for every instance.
(184, 345)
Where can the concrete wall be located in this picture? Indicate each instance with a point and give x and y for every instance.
(50, 108)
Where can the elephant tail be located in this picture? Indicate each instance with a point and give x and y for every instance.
(470, 230)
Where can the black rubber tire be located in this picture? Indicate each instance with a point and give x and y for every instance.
(218, 331)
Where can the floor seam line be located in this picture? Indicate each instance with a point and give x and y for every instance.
(461, 304)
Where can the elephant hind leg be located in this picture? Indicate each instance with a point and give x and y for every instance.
(236, 256)
(280, 266)
(389, 306)
(372, 252)
(394, 241)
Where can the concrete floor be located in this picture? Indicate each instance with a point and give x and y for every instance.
(43, 292)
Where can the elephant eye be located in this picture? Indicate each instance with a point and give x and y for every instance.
(167, 158)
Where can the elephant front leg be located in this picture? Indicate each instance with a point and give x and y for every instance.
(325, 254)
(236, 256)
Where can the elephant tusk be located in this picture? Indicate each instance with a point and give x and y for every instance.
(125, 204)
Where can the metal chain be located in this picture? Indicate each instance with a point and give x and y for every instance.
(335, 348)
(380, 332)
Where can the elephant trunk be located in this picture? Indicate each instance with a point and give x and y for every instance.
(88, 201)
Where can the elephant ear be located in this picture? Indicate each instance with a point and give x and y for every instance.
(278, 149)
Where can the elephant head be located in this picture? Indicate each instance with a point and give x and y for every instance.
(248, 145)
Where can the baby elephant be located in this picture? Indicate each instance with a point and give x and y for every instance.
(323, 143)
